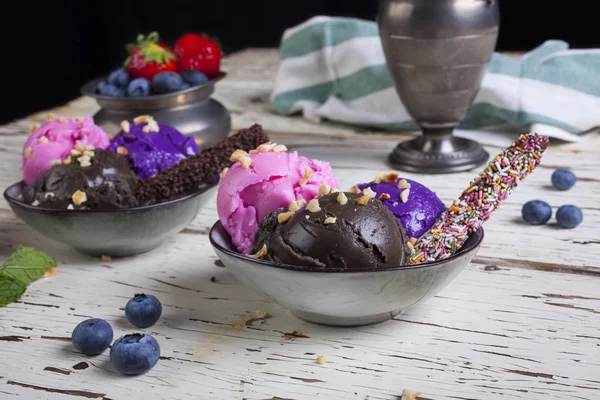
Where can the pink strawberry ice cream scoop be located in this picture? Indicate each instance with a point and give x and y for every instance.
(263, 182)
(53, 141)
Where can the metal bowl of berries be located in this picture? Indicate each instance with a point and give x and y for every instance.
(174, 86)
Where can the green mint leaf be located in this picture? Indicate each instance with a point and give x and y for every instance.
(10, 290)
(26, 265)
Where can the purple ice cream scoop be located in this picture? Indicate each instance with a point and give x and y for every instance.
(417, 211)
(155, 150)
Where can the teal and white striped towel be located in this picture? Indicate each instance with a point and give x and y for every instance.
(334, 68)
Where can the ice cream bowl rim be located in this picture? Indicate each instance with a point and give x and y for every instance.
(15, 186)
(472, 244)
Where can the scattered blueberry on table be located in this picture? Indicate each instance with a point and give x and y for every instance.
(536, 212)
(563, 179)
(569, 216)
(134, 354)
(143, 310)
(92, 336)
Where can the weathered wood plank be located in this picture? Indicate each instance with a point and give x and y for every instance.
(518, 333)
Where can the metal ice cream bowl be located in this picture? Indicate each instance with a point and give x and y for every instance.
(191, 111)
(343, 297)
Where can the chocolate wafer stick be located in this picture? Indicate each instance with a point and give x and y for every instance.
(483, 196)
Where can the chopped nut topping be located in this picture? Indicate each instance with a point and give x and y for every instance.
(280, 148)
(307, 216)
(62, 120)
(89, 147)
(294, 206)
(412, 240)
(48, 195)
(253, 151)
(43, 140)
(334, 190)
(364, 199)
(342, 198)
(383, 196)
(105, 258)
(122, 150)
(151, 126)
(89, 153)
(34, 128)
(391, 177)
(142, 118)
(85, 164)
(369, 192)
(246, 162)
(313, 206)
(80, 119)
(236, 155)
(378, 178)
(35, 203)
(125, 126)
(301, 202)
(79, 147)
(324, 189)
(307, 174)
(70, 207)
(330, 220)
(224, 171)
(67, 160)
(79, 198)
(54, 163)
(284, 216)
(51, 117)
(403, 184)
(261, 253)
(409, 395)
(28, 152)
(75, 153)
(404, 195)
(85, 159)
(354, 189)
(265, 147)
(321, 360)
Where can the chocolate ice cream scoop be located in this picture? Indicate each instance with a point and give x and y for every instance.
(90, 179)
(337, 230)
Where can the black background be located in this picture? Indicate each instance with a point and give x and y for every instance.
(50, 48)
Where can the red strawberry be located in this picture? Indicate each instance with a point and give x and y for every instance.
(148, 57)
(198, 52)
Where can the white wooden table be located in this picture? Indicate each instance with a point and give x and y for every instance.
(522, 321)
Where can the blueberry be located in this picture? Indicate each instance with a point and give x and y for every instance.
(184, 86)
(194, 78)
(166, 82)
(119, 77)
(138, 87)
(92, 336)
(106, 89)
(563, 179)
(569, 216)
(536, 212)
(143, 310)
(134, 354)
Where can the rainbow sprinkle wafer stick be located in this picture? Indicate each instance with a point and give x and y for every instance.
(483, 196)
